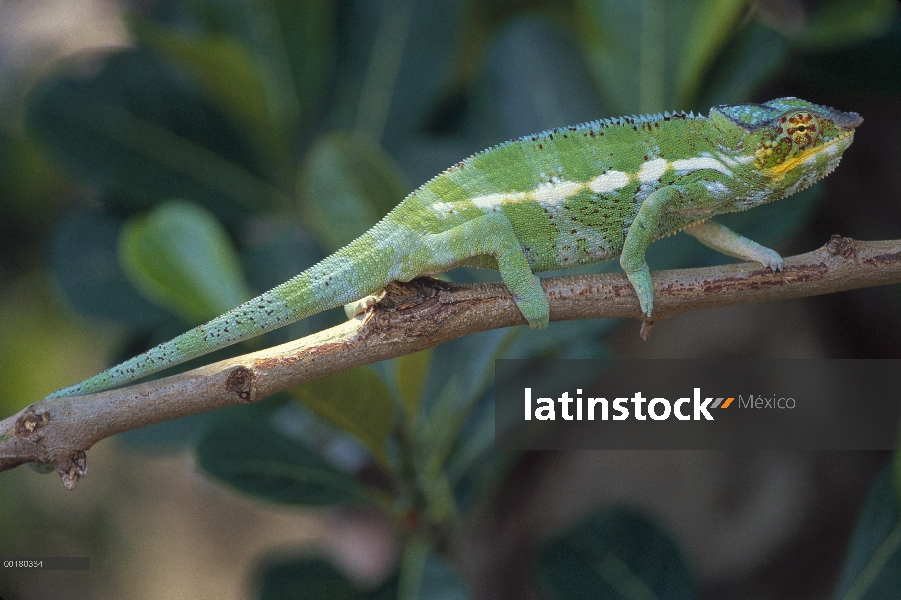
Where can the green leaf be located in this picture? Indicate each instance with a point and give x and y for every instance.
(29, 186)
(712, 24)
(425, 575)
(225, 69)
(317, 579)
(395, 62)
(128, 125)
(872, 568)
(519, 90)
(840, 23)
(648, 55)
(410, 372)
(291, 45)
(356, 401)
(254, 458)
(83, 260)
(180, 256)
(41, 349)
(753, 56)
(614, 554)
(314, 579)
(346, 184)
(307, 43)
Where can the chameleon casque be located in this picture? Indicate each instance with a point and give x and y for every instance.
(552, 200)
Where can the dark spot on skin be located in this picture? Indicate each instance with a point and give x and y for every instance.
(666, 118)
(591, 133)
(645, 157)
(572, 231)
(551, 136)
(540, 147)
(656, 124)
(635, 127)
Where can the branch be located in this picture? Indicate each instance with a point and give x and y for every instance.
(411, 317)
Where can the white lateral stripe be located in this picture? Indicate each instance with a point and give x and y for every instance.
(701, 162)
(652, 170)
(554, 192)
(491, 201)
(608, 182)
(545, 193)
(551, 193)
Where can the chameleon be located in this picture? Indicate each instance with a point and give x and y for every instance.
(556, 199)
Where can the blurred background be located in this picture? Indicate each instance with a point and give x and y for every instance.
(162, 161)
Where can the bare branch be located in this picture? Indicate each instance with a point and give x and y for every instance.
(410, 317)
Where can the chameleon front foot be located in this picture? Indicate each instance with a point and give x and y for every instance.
(644, 288)
(771, 259)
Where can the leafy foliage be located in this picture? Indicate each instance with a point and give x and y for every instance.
(873, 565)
(615, 554)
(255, 458)
(239, 140)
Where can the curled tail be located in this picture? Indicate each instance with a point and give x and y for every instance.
(359, 269)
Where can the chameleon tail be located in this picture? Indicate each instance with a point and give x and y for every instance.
(359, 269)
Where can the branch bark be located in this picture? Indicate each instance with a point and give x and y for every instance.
(411, 317)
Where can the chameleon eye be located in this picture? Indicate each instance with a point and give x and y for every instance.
(802, 128)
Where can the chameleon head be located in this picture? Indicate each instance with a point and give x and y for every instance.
(789, 141)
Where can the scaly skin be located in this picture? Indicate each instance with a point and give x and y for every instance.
(553, 200)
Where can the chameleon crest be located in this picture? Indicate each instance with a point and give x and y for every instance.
(552, 200)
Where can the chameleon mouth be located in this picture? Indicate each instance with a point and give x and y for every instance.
(791, 163)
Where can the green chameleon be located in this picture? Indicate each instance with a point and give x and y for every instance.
(553, 200)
